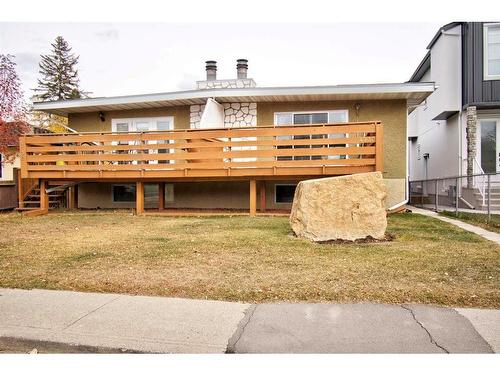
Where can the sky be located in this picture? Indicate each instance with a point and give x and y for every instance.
(136, 58)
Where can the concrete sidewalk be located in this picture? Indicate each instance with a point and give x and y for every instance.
(89, 322)
(486, 234)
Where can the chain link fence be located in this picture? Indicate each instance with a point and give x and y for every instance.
(470, 193)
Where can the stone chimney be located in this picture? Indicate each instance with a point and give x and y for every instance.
(242, 81)
(211, 68)
(242, 68)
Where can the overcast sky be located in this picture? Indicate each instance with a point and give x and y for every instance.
(126, 58)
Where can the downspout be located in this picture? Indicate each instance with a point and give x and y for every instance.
(407, 178)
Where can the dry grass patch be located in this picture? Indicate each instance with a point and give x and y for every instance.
(479, 219)
(246, 259)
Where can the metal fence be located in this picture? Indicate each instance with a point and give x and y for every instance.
(469, 193)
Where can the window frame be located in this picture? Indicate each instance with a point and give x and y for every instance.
(276, 114)
(292, 113)
(168, 187)
(486, 75)
(132, 128)
(276, 195)
(122, 202)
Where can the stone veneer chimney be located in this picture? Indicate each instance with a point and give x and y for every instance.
(235, 113)
(242, 81)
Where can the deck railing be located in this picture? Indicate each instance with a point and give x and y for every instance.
(296, 150)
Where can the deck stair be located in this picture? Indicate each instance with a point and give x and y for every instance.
(55, 191)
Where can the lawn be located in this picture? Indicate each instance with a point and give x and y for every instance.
(479, 219)
(246, 259)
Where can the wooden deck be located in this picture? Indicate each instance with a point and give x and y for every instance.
(258, 152)
(251, 153)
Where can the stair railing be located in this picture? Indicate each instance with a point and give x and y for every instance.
(480, 180)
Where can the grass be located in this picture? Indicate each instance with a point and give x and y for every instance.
(481, 220)
(246, 259)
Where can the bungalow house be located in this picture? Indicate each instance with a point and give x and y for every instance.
(456, 130)
(228, 144)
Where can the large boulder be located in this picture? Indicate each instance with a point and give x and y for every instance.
(340, 208)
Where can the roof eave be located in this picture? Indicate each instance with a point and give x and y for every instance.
(198, 96)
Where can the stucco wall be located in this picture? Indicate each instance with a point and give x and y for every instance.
(392, 113)
(90, 122)
(224, 195)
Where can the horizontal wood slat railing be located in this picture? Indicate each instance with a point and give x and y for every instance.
(320, 149)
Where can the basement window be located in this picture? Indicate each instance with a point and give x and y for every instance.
(491, 53)
(283, 193)
(124, 193)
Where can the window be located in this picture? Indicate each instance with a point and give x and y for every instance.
(304, 118)
(491, 51)
(143, 125)
(488, 145)
(124, 193)
(284, 193)
(1, 169)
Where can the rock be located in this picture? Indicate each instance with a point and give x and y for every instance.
(340, 208)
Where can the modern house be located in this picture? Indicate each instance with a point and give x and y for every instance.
(228, 144)
(456, 130)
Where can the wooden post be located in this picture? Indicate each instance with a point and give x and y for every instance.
(44, 196)
(71, 197)
(139, 197)
(379, 147)
(161, 196)
(20, 193)
(22, 152)
(262, 194)
(253, 197)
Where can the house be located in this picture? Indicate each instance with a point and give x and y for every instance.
(456, 130)
(228, 144)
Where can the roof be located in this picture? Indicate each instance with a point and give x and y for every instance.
(423, 67)
(446, 27)
(425, 64)
(414, 92)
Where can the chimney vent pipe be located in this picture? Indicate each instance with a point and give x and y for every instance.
(242, 68)
(211, 68)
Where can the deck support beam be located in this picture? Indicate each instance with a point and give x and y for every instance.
(44, 196)
(253, 197)
(139, 197)
(71, 197)
(161, 196)
(262, 194)
(379, 147)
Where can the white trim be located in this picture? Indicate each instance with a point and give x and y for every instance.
(486, 75)
(415, 90)
(346, 111)
(275, 200)
(133, 120)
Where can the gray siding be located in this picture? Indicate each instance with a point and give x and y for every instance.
(475, 89)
